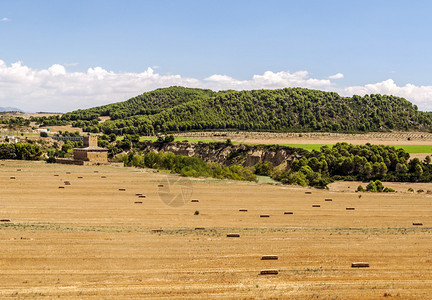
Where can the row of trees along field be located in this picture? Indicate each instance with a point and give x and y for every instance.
(20, 151)
(177, 109)
(353, 162)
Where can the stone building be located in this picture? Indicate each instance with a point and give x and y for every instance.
(89, 154)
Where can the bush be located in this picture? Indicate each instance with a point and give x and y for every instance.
(51, 160)
(196, 213)
(43, 134)
(360, 189)
(410, 190)
(420, 191)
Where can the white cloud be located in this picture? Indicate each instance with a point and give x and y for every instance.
(419, 95)
(337, 76)
(5, 19)
(56, 89)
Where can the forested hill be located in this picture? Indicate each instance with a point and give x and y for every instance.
(290, 109)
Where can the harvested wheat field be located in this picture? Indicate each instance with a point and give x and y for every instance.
(90, 240)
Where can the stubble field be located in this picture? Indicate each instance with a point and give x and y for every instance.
(91, 240)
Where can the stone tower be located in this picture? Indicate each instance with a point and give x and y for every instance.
(90, 141)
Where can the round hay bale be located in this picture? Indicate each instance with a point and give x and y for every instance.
(160, 185)
(350, 208)
(194, 200)
(288, 213)
(308, 193)
(157, 230)
(417, 224)
(5, 220)
(103, 176)
(122, 190)
(243, 210)
(141, 196)
(316, 205)
(199, 228)
(138, 194)
(328, 199)
(264, 216)
(61, 187)
(138, 202)
(12, 177)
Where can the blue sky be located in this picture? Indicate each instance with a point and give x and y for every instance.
(64, 55)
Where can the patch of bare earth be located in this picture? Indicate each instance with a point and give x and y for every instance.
(387, 138)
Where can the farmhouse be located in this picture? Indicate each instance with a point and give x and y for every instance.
(89, 154)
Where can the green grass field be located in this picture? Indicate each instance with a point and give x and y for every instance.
(310, 147)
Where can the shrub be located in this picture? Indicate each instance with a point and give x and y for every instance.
(51, 160)
(410, 190)
(196, 213)
(360, 189)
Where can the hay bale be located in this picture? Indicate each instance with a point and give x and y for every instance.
(157, 230)
(56, 175)
(194, 200)
(264, 216)
(103, 176)
(18, 170)
(138, 194)
(122, 190)
(199, 228)
(360, 265)
(142, 196)
(288, 213)
(417, 224)
(269, 257)
(12, 177)
(350, 208)
(138, 202)
(95, 171)
(233, 235)
(243, 210)
(328, 199)
(79, 177)
(160, 185)
(61, 187)
(316, 205)
(67, 172)
(308, 193)
(5, 220)
(269, 272)
(67, 183)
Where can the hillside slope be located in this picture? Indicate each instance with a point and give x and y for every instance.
(290, 109)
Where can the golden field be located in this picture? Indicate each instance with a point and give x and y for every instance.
(89, 240)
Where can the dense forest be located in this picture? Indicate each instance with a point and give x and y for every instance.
(177, 109)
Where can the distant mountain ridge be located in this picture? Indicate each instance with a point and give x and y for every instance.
(178, 109)
(10, 109)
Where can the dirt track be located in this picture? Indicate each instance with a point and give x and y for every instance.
(90, 240)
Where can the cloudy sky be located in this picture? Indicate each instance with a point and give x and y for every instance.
(64, 55)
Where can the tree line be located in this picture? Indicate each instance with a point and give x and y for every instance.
(177, 109)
